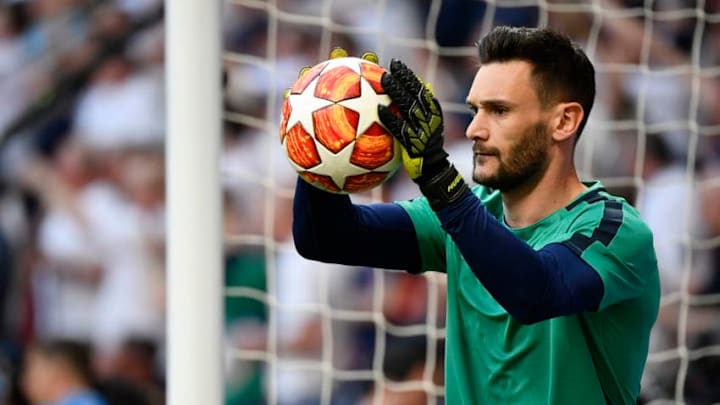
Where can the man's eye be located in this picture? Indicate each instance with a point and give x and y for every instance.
(500, 111)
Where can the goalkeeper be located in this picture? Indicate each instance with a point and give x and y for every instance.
(552, 283)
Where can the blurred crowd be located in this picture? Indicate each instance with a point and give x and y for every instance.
(82, 257)
(82, 201)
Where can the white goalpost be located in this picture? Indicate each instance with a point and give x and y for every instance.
(295, 332)
(194, 243)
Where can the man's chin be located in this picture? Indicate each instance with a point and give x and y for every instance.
(487, 181)
(495, 181)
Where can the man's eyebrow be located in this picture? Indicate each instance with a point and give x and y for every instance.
(489, 103)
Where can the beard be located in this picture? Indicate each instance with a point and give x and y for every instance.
(523, 164)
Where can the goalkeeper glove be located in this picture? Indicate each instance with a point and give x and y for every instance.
(419, 129)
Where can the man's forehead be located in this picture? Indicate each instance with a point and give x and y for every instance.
(496, 79)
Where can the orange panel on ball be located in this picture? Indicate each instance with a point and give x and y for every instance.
(320, 181)
(285, 116)
(363, 182)
(373, 73)
(376, 129)
(337, 84)
(302, 82)
(335, 126)
(373, 149)
(301, 147)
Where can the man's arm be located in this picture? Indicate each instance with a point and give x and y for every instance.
(531, 285)
(329, 228)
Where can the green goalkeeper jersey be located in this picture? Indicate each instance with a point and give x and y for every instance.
(589, 358)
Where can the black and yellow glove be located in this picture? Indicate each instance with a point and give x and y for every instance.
(419, 129)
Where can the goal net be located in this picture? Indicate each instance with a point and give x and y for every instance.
(302, 332)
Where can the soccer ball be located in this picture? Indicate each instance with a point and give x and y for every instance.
(330, 128)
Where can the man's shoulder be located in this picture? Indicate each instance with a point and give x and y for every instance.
(601, 216)
(599, 204)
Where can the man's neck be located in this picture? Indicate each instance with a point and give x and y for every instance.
(523, 207)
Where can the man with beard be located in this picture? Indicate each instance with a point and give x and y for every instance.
(552, 282)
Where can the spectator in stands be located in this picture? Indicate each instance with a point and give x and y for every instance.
(13, 58)
(131, 240)
(119, 89)
(58, 372)
(671, 207)
(710, 198)
(67, 274)
(134, 368)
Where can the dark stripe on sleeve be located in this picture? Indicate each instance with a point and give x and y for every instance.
(610, 224)
(578, 243)
(605, 232)
(590, 197)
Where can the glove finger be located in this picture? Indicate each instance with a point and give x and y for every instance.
(392, 122)
(304, 70)
(406, 77)
(370, 57)
(403, 131)
(421, 95)
(338, 52)
(401, 98)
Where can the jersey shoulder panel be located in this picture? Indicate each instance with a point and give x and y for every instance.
(609, 235)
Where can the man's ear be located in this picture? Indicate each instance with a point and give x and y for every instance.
(566, 120)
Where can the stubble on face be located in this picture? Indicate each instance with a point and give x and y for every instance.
(523, 163)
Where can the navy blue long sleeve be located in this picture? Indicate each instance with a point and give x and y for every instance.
(329, 228)
(531, 285)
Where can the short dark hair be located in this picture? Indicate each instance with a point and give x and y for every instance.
(561, 70)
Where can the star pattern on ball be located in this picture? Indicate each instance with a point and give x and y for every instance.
(302, 107)
(311, 111)
(325, 169)
(369, 97)
(333, 63)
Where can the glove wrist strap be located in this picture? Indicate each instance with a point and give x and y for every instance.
(444, 188)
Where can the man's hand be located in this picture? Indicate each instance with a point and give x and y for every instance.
(420, 131)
